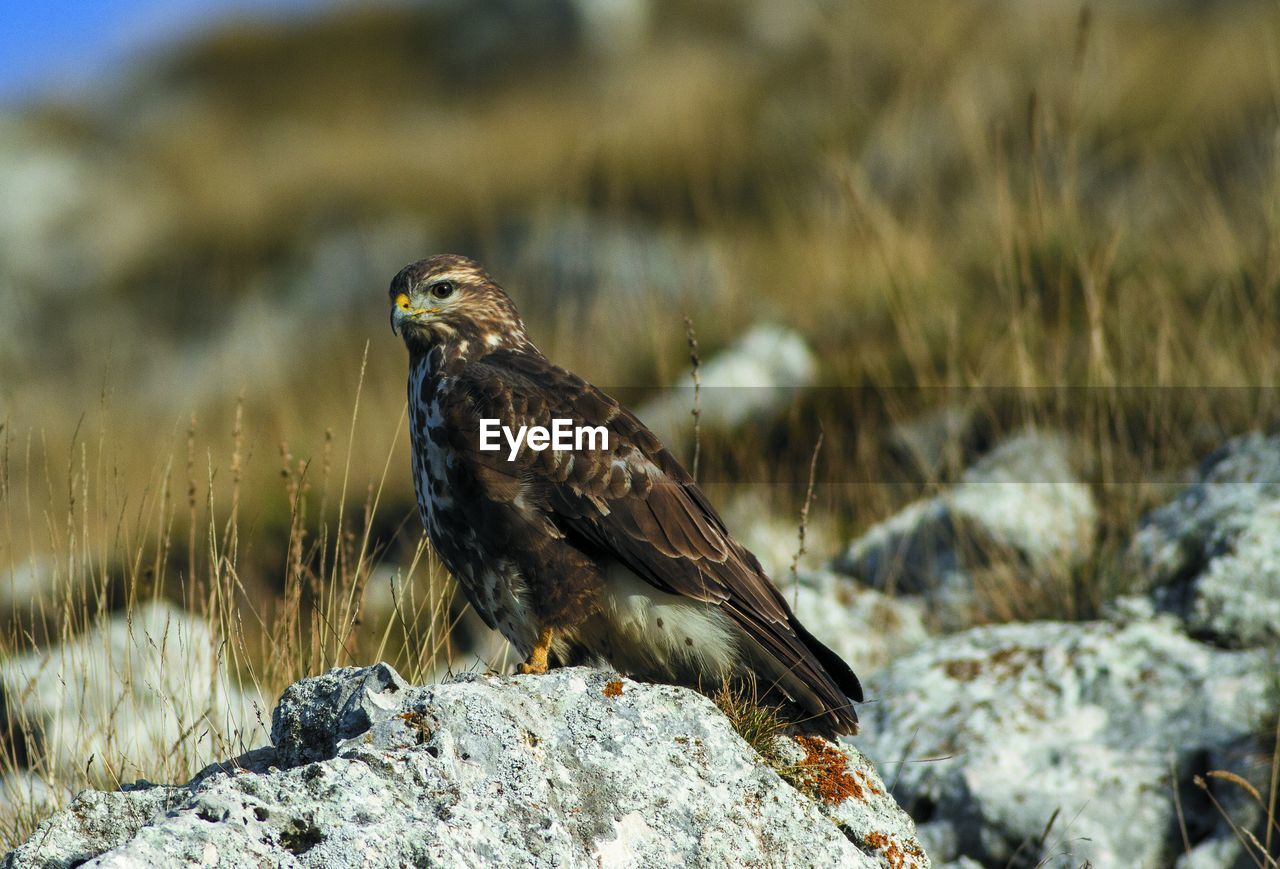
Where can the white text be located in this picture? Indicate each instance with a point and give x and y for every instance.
(563, 435)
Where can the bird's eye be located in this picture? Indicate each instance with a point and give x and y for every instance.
(442, 289)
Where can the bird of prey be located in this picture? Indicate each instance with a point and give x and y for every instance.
(583, 553)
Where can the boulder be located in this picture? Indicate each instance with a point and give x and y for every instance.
(753, 378)
(575, 768)
(95, 822)
(150, 685)
(1019, 515)
(1211, 555)
(1058, 743)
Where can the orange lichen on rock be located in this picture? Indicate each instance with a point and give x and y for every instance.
(867, 784)
(824, 772)
(898, 855)
(418, 723)
(613, 689)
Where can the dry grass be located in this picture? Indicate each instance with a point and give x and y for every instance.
(1055, 218)
(1036, 211)
(1261, 848)
(760, 725)
(120, 545)
(820, 770)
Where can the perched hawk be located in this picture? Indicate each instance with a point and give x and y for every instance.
(584, 554)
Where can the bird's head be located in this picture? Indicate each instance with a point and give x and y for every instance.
(450, 302)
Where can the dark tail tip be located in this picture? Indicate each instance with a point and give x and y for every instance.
(845, 719)
(841, 673)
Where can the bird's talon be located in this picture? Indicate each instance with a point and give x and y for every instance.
(537, 663)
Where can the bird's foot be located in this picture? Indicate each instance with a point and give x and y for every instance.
(537, 663)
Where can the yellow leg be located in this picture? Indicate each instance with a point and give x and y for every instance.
(537, 663)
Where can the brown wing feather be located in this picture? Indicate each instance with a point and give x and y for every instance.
(638, 504)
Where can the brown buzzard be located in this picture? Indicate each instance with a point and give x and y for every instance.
(584, 554)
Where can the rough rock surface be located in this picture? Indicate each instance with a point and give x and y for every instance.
(1021, 508)
(1060, 742)
(1212, 554)
(151, 685)
(575, 768)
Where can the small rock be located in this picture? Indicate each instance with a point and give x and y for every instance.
(1020, 508)
(314, 715)
(754, 377)
(1212, 555)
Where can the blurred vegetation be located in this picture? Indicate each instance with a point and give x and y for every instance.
(1058, 214)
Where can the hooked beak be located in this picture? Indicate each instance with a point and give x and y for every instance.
(402, 311)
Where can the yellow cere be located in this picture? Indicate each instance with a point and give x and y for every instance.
(402, 302)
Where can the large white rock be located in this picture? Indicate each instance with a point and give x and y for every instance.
(548, 770)
(1212, 554)
(1020, 509)
(998, 734)
(147, 687)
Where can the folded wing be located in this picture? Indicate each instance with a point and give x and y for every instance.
(637, 504)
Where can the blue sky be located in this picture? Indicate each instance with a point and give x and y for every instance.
(48, 46)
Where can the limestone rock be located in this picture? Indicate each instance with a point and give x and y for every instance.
(1018, 512)
(1212, 554)
(574, 768)
(755, 376)
(150, 685)
(999, 734)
